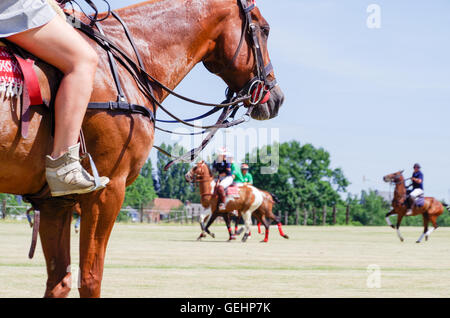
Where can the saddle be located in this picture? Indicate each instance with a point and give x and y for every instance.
(419, 202)
(232, 191)
(19, 79)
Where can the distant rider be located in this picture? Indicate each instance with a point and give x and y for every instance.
(417, 187)
(247, 176)
(242, 176)
(223, 168)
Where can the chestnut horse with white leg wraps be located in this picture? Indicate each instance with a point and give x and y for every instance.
(251, 200)
(429, 211)
(172, 37)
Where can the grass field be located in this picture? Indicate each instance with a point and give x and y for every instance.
(167, 261)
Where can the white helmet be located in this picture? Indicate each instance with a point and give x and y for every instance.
(223, 152)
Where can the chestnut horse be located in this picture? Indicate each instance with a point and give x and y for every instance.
(172, 37)
(250, 201)
(429, 211)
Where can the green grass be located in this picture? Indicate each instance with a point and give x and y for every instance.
(167, 261)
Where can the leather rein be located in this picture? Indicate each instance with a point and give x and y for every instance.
(253, 92)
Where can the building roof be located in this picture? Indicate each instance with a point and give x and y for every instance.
(163, 205)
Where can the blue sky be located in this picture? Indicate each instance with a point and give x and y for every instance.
(376, 99)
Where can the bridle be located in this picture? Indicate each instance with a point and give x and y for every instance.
(196, 180)
(259, 86)
(253, 92)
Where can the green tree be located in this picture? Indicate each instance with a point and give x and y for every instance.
(141, 192)
(173, 182)
(304, 178)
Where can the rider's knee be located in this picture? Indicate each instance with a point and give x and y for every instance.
(85, 63)
(90, 61)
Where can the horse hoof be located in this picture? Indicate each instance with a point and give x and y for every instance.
(401, 240)
(244, 239)
(426, 238)
(417, 241)
(264, 241)
(393, 227)
(286, 236)
(212, 235)
(239, 232)
(232, 238)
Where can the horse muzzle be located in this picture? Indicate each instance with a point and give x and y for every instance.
(269, 106)
(188, 177)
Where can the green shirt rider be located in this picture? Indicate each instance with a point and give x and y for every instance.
(242, 175)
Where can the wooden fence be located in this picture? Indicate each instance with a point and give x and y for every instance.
(314, 216)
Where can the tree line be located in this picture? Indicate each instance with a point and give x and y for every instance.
(304, 181)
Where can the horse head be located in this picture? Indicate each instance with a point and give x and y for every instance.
(239, 55)
(198, 173)
(396, 177)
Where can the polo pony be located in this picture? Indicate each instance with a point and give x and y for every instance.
(430, 211)
(250, 201)
(171, 37)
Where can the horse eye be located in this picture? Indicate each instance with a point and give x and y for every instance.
(266, 30)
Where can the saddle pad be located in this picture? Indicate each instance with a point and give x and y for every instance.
(17, 74)
(420, 201)
(233, 190)
(11, 78)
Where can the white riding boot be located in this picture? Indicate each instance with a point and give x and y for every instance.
(65, 175)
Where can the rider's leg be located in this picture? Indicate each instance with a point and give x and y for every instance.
(221, 193)
(413, 196)
(58, 44)
(225, 183)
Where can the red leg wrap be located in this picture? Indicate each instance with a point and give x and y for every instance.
(280, 229)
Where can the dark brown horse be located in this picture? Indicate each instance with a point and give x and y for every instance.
(429, 211)
(250, 201)
(172, 37)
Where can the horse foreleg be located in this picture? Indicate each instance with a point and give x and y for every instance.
(99, 210)
(388, 220)
(54, 233)
(202, 225)
(399, 221)
(227, 218)
(211, 219)
(247, 216)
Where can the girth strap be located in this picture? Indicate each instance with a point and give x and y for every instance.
(125, 107)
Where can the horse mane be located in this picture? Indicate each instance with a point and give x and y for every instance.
(209, 170)
(402, 196)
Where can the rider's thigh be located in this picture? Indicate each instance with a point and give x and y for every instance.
(226, 182)
(58, 44)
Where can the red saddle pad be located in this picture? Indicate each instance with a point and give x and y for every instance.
(233, 190)
(11, 79)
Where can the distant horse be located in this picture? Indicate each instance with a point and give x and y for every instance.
(172, 37)
(251, 200)
(429, 211)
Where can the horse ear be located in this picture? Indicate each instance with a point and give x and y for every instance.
(401, 172)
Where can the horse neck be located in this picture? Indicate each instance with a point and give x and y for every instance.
(206, 189)
(400, 192)
(173, 36)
